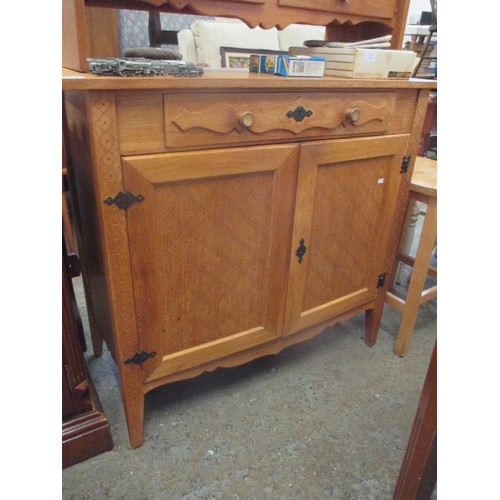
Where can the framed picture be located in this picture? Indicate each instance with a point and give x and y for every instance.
(235, 57)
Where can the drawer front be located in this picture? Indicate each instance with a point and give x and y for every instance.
(225, 119)
(365, 8)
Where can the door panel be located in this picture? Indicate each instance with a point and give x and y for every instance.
(217, 225)
(346, 196)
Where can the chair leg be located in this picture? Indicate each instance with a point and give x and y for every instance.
(408, 236)
(417, 281)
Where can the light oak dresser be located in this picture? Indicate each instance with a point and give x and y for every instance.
(225, 217)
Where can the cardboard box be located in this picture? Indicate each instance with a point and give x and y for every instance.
(287, 65)
(363, 63)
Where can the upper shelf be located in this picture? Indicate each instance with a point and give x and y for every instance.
(270, 13)
(91, 32)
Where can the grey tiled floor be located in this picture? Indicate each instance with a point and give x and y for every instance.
(327, 419)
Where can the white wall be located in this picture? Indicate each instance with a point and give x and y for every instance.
(418, 6)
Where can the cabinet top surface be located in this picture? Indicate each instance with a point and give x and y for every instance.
(227, 80)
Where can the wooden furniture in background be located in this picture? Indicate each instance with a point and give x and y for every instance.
(426, 55)
(85, 429)
(66, 216)
(429, 127)
(423, 188)
(422, 43)
(418, 474)
(430, 124)
(90, 29)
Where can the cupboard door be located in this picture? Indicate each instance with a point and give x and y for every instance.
(346, 196)
(209, 249)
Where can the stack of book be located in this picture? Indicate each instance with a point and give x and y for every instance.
(367, 59)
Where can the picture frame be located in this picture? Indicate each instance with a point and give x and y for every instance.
(238, 58)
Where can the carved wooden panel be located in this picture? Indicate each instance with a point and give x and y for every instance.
(181, 4)
(112, 221)
(203, 120)
(358, 19)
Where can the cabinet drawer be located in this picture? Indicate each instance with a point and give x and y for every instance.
(365, 8)
(213, 119)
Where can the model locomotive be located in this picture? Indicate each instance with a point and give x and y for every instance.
(116, 66)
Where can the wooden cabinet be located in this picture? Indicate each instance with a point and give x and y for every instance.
(225, 218)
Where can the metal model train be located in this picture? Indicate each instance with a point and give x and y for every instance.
(131, 66)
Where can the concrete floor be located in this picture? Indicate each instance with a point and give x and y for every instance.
(327, 419)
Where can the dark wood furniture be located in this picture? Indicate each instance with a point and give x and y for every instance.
(85, 429)
(417, 477)
(158, 36)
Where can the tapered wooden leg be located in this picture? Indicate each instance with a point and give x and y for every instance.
(417, 280)
(95, 336)
(372, 324)
(133, 401)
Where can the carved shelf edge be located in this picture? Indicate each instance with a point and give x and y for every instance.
(252, 12)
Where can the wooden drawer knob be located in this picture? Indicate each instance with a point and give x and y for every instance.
(353, 115)
(247, 119)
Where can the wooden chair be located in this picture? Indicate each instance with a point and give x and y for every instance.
(158, 36)
(423, 188)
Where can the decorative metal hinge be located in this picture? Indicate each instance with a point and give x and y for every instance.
(299, 113)
(301, 250)
(405, 163)
(381, 280)
(124, 199)
(139, 357)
